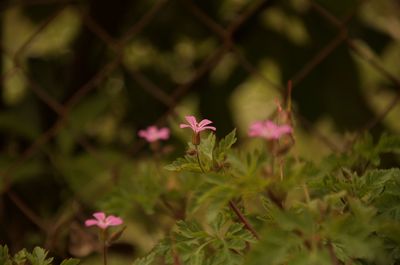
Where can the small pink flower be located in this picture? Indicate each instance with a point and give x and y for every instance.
(195, 126)
(269, 130)
(103, 221)
(153, 134)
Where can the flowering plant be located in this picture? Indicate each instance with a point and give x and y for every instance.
(153, 134)
(223, 203)
(103, 221)
(269, 130)
(197, 127)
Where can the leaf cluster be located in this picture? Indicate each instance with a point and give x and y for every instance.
(38, 256)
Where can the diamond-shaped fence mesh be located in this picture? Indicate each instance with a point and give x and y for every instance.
(73, 71)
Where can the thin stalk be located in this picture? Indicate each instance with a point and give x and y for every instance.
(332, 254)
(272, 165)
(306, 193)
(198, 159)
(105, 254)
(271, 147)
(233, 206)
(175, 255)
(243, 219)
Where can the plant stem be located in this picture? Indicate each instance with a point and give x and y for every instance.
(198, 159)
(281, 169)
(306, 193)
(334, 259)
(238, 213)
(104, 247)
(175, 255)
(272, 166)
(243, 219)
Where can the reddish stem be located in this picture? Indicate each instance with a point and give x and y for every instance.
(243, 219)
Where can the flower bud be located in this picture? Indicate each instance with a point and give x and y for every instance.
(196, 138)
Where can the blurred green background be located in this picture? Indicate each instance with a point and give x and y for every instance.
(80, 78)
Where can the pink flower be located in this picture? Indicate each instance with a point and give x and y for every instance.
(153, 134)
(195, 126)
(102, 221)
(269, 130)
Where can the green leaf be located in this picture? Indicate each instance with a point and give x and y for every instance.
(183, 164)
(389, 143)
(206, 147)
(365, 148)
(388, 200)
(70, 262)
(375, 180)
(224, 146)
(5, 258)
(147, 260)
(215, 192)
(38, 257)
(20, 257)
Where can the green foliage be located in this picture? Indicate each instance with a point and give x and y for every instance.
(212, 157)
(220, 242)
(343, 211)
(145, 260)
(141, 183)
(39, 256)
(389, 144)
(5, 258)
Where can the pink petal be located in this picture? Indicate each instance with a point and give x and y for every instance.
(152, 129)
(163, 133)
(152, 133)
(113, 220)
(268, 130)
(206, 128)
(192, 121)
(102, 225)
(285, 129)
(271, 125)
(204, 123)
(142, 133)
(183, 125)
(91, 222)
(255, 129)
(100, 216)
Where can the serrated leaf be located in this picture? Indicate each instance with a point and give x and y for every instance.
(206, 146)
(5, 258)
(147, 260)
(214, 196)
(39, 257)
(389, 143)
(183, 164)
(375, 180)
(70, 262)
(224, 145)
(20, 257)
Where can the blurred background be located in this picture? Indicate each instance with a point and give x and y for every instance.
(79, 78)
